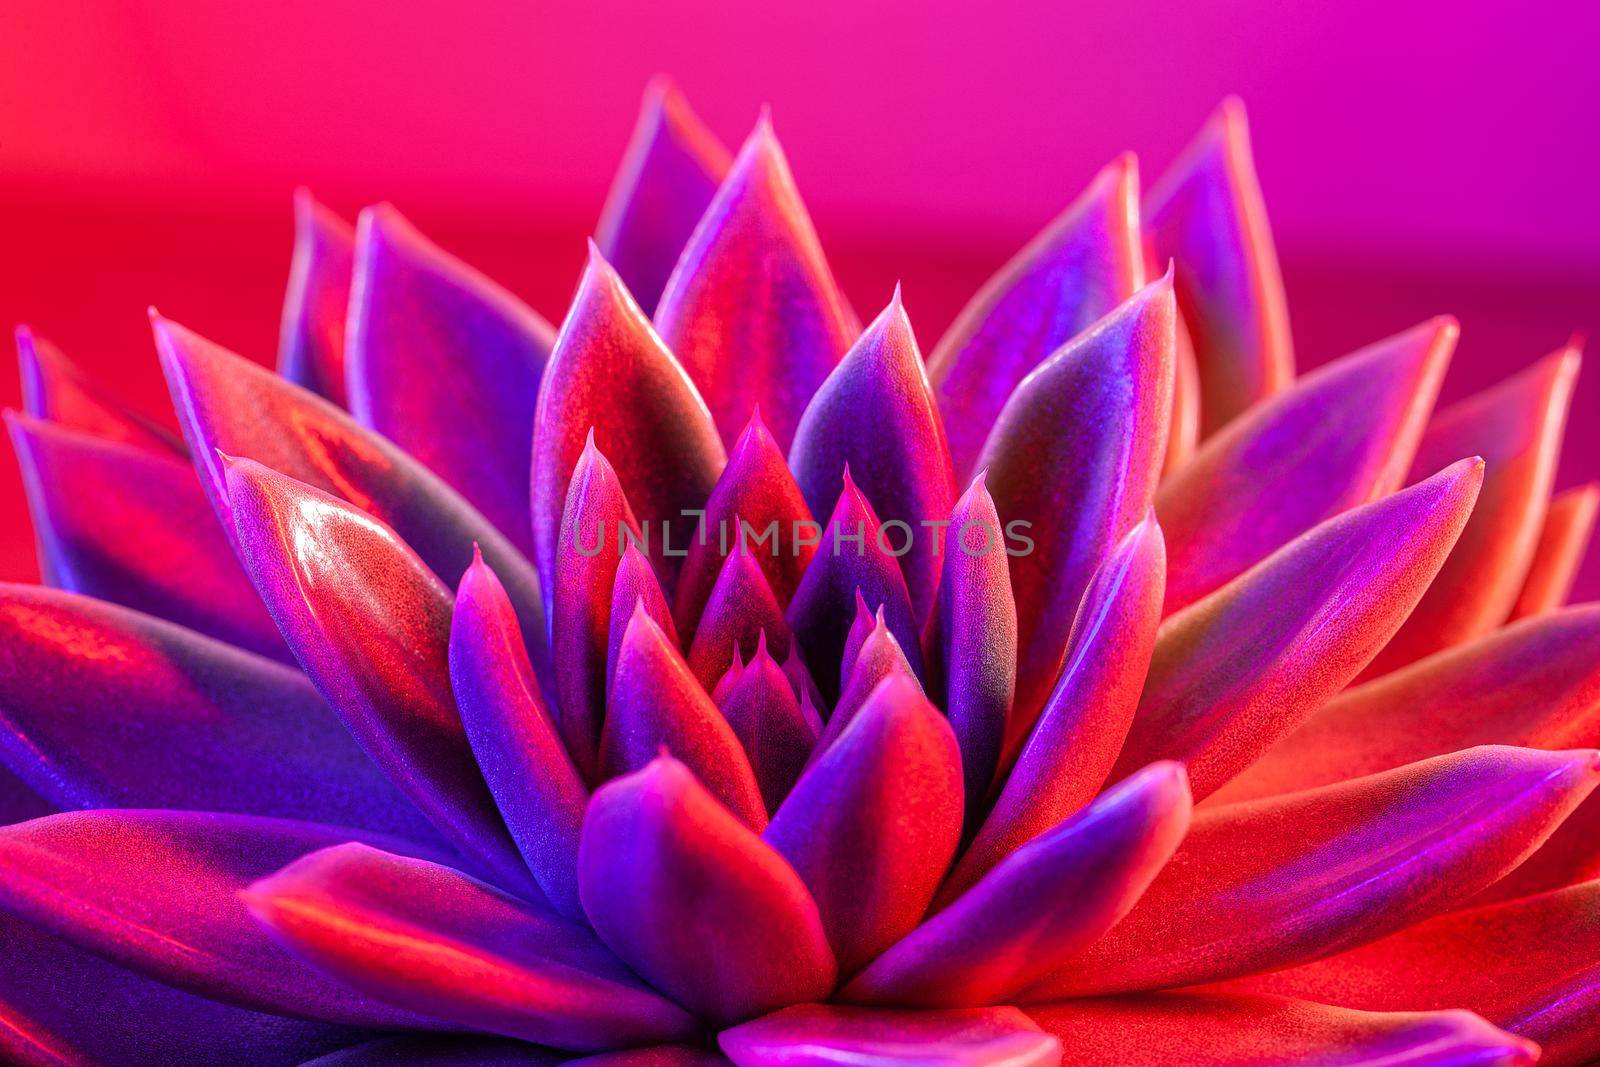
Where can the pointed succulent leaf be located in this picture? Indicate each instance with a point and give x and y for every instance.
(1569, 857)
(611, 379)
(131, 525)
(513, 737)
(370, 624)
(436, 942)
(850, 562)
(158, 892)
(656, 702)
(695, 903)
(315, 309)
(875, 414)
(873, 824)
(1535, 683)
(1563, 542)
(1311, 615)
(229, 406)
(418, 314)
(452, 1050)
(755, 503)
(742, 611)
(1341, 436)
(770, 723)
(1041, 906)
(55, 390)
(636, 586)
(752, 309)
(1086, 262)
(1213, 1029)
(102, 707)
(836, 1033)
(1516, 427)
(669, 174)
(1266, 884)
(879, 658)
(1206, 214)
(1184, 436)
(596, 525)
(1072, 463)
(1526, 965)
(971, 640)
(61, 1005)
(1065, 760)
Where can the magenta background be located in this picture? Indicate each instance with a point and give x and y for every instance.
(1416, 157)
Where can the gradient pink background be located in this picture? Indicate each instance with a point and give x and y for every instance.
(1416, 158)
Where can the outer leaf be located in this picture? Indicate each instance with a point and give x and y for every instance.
(669, 173)
(1206, 213)
(1245, 666)
(1086, 262)
(131, 525)
(311, 339)
(230, 407)
(695, 903)
(105, 707)
(752, 309)
(431, 1050)
(1534, 683)
(419, 315)
(1270, 883)
(1231, 1030)
(436, 942)
(371, 626)
(1184, 436)
(158, 892)
(1571, 856)
(1516, 427)
(1563, 542)
(60, 1005)
(56, 390)
(1341, 436)
(1528, 965)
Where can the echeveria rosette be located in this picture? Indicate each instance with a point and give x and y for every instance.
(730, 685)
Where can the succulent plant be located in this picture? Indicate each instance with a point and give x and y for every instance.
(713, 679)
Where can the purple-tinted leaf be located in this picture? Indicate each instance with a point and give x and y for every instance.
(695, 903)
(431, 940)
(668, 176)
(419, 316)
(752, 309)
(1086, 262)
(875, 415)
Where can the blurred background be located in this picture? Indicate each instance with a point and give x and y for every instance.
(1416, 158)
